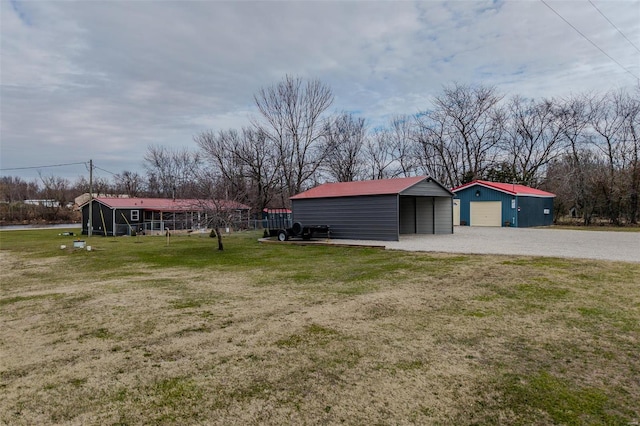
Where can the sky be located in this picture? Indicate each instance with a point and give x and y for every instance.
(104, 80)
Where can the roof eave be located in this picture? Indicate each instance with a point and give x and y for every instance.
(97, 200)
(396, 192)
(482, 184)
(536, 195)
(506, 191)
(295, 197)
(429, 179)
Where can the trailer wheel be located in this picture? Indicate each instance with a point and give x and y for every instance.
(282, 235)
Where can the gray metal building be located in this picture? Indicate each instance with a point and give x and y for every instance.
(377, 209)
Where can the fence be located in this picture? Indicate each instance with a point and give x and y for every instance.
(163, 226)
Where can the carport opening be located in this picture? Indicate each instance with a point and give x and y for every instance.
(417, 215)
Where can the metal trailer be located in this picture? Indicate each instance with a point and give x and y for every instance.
(298, 230)
(279, 225)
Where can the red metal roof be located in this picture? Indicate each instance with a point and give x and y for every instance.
(509, 188)
(365, 187)
(169, 204)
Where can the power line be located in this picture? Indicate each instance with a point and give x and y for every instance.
(57, 165)
(41, 167)
(589, 40)
(104, 170)
(614, 25)
(115, 175)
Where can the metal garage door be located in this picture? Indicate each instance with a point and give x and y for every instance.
(486, 213)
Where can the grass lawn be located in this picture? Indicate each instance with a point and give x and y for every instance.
(594, 228)
(140, 332)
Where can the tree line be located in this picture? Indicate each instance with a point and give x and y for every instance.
(582, 147)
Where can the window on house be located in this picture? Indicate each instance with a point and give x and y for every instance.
(135, 215)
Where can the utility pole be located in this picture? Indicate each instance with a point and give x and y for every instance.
(90, 224)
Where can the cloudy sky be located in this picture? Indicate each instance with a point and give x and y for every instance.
(106, 79)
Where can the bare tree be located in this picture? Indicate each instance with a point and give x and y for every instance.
(533, 137)
(574, 178)
(56, 194)
(472, 123)
(170, 172)
(402, 137)
(220, 151)
(260, 168)
(245, 162)
(13, 192)
(607, 120)
(392, 151)
(345, 136)
(630, 109)
(14, 189)
(220, 210)
(129, 183)
(574, 114)
(435, 153)
(378, 153)
(291, 117)
(101, 186)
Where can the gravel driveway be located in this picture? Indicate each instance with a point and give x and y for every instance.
(603, 245)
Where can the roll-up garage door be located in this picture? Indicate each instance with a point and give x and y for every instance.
(486, 213)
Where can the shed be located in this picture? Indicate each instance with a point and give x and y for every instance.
(377, 209)
(123, 216)
(484, 203)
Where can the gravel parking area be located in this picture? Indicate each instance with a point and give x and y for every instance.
(602, 245)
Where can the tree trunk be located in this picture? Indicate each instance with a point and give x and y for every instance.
(219, 235)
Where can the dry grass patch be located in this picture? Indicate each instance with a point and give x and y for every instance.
(315, 335)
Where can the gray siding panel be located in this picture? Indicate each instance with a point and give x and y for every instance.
(424, 221)
(444, 215)
(426, 188)
(407, 215)
(381, 217)
(365, 218)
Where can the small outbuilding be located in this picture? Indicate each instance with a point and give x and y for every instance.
(484, 203)
(125, 216)
(380, 209)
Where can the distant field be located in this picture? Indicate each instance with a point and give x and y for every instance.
(140, 332)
